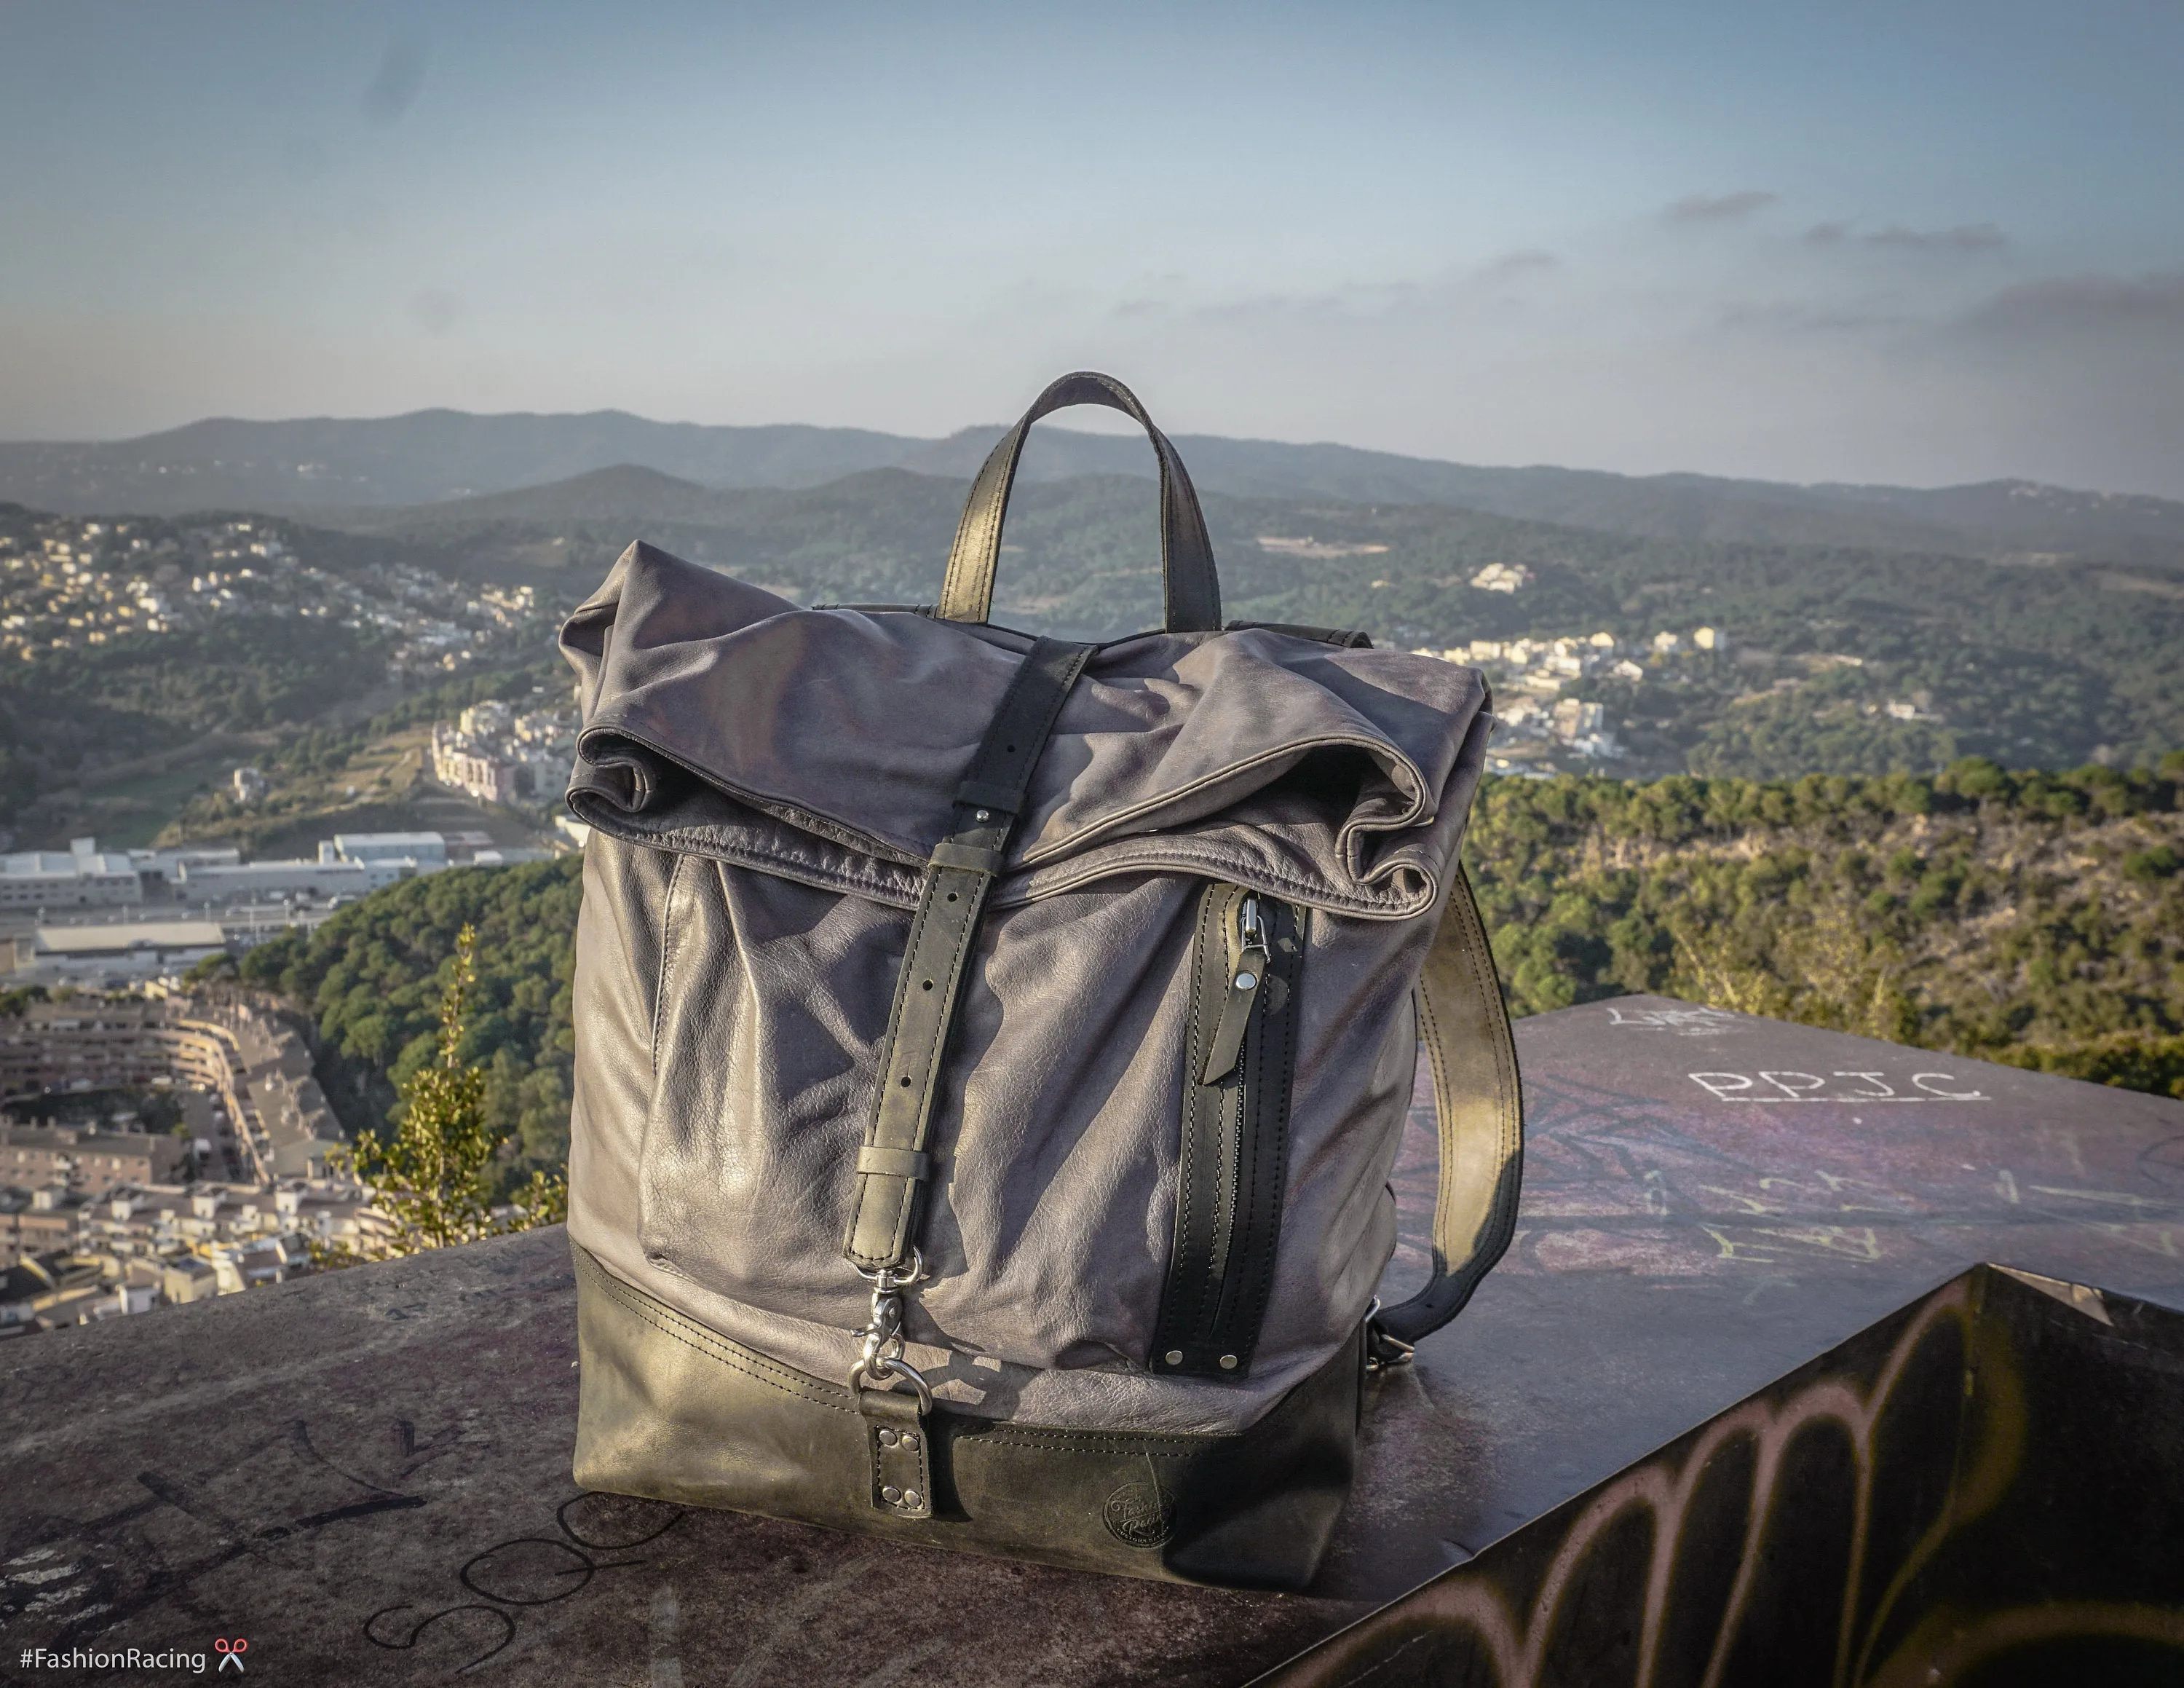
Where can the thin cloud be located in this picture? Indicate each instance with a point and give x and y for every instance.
(2065, 304)
(1511, 263)
(1788, 317)
(1827, 234)
(436, 311)
(1718, 208)
(1965, 237)
(395, 88)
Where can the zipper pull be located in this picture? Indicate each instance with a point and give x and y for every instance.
(1243, 981)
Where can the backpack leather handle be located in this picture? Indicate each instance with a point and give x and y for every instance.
(1191, 589)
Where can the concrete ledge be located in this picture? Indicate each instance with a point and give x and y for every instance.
(366, 1474)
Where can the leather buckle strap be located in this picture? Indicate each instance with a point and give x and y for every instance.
(893, 1164)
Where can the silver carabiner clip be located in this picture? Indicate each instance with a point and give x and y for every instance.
(885, 1371)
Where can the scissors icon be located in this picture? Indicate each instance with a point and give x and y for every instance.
(232, 1652)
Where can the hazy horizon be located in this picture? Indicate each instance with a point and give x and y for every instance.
(1079, 421)
(1936, 244)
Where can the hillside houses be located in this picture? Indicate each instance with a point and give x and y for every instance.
(501, 756)
(69, 583)
(1530, 676)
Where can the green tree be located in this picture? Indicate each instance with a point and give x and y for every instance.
(434, 1177)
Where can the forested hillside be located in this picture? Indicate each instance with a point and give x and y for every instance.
(147, 694)
(2030, 918)
(1829, 659)
(372, 976)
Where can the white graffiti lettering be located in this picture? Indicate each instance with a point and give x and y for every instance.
(1787, 1085)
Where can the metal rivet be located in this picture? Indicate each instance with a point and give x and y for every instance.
(1228, 1362)
(983, 815)
(1246, 981)
(1173, 1357)
(887, 1438)
(892, 1496)
(910, 1441)
(910, 1497)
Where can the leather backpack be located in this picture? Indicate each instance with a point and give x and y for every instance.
(992, 1052)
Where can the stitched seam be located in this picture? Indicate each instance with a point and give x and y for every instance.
(1234, 1334)
(865, 1181)
(1029, 884)
(1404, 822)
(651, 1316)
(1489, 988)
(880, 888)
(1235, 1128)
(820, 825)
(1197, 1328)
(666, 961)
(1016, 1441)
(1194, 1112)
(1274, 1162)
(694, 1335)
(1445, 1104)
(944, 1024)
(1176, 855)
(1193, 1056)
(1508, 1101)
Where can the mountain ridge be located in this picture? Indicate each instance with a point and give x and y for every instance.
(314, 466)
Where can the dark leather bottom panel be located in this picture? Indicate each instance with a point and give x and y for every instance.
(671, 1411)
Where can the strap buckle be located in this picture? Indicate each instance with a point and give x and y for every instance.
(881, 1361)
(1383, 1352)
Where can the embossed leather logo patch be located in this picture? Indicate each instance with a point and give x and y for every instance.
(1139, 1516)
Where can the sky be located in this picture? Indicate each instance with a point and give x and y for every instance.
(1919, 242)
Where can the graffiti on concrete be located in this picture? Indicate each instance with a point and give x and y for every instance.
(525, 1571)
(1859, 1516)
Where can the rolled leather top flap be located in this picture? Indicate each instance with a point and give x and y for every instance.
(828, 746)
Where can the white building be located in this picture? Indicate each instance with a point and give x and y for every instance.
(137, 950)
(458, 762)
(1501, 577)
(425, 850)
(1574, 718)
(297, 877)
(86, 877)
(168, 864)
(483, 718)
(500, 756)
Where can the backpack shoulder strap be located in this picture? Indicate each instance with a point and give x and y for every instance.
(1464, 1028)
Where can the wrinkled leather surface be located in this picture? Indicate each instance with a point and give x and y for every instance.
(766, 782)
(1329, 776)
(672, 1410)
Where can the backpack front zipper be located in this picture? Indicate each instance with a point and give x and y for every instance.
(1233, 1153)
